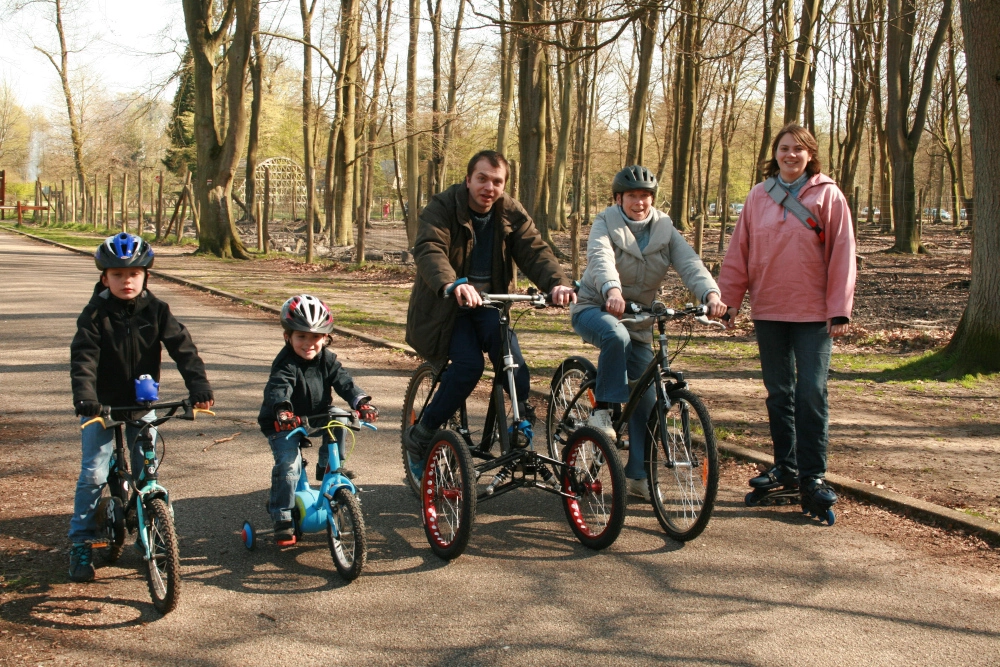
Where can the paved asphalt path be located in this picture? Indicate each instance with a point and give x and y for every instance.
(758, 587)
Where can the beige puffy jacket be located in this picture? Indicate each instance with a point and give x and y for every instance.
(613, 255)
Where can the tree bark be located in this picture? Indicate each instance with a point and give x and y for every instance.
(219, 141)
(975, 347)
(637, 118)
(686, 125)
(308, 161)
(532, 101)
(508, 46)
(798, 55)
(904, 138)
(771, 63)
(412, 148)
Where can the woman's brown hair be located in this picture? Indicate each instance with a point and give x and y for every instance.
(802, 136)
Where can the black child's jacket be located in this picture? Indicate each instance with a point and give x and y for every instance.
(305, 385)
(117, 341)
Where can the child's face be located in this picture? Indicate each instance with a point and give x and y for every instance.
(306, 345)
(126, 284)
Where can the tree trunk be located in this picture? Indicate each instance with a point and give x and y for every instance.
(308, 161)
(219, 141)
(256, 68)
(452, 104)
(434, 12)
(904, 138)
(975, 347)
(508, 46)
(686, 125)
(532, 101)
(412, 158)
(798, 55)
(637, 118)
(347, 140)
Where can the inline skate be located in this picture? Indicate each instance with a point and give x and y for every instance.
(777, 486)
(817, 499)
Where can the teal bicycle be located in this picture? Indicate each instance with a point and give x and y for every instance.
(134, 502)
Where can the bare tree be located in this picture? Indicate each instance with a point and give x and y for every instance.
(637, 118)
(219, 137)
(975, 347)
(904, 135)
(533, 98)
(798, 54)
(412, 148)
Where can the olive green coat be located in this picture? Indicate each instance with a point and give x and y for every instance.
(442, 251)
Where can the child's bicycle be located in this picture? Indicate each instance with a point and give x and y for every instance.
(334, 505)
(131, 503)
(681, 460)
(587, 475)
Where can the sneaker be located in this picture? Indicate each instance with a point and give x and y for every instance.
(640, 488)
(284, 533)
(601, 420)
(417, 467)
(417, 440)
(81, 562)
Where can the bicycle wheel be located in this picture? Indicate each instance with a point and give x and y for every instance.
(448, 495)
(566, 411)
(595, 477)
(111, 522)
(164, 572)
(348, 546)
(683, 467)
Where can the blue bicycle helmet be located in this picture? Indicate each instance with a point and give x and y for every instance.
(123, 251)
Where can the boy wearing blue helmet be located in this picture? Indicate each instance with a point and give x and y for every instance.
(118, 338)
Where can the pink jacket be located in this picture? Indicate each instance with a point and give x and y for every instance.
(790, 274)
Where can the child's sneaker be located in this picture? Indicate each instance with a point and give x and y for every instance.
(284, 533)
(81, 562)
(601, 420)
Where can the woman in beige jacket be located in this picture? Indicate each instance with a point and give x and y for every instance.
(630, 249)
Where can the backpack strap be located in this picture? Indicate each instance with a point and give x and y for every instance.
(782, 197)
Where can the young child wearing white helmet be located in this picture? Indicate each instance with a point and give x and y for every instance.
(303, 377)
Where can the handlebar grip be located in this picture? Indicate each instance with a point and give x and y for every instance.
(298, 429)
(93, 421)
(451, 288)
(195, 412)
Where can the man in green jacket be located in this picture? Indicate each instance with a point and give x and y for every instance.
(469, 239)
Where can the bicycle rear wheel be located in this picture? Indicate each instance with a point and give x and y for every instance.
(683, 467)
(568, 407)
(163, 574)
(448, 495)
(594, 475)
(348, 546)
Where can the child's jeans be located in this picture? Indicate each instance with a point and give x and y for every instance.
(98, 443)
(287, 470)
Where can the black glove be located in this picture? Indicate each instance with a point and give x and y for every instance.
(368, 413)
(201, 397)
(287, 420)
(88, 408)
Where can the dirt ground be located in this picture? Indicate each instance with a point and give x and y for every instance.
(939, 441)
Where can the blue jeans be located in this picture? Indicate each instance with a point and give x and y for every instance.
(285, 474)
(476, 331)
(621, 360)
(97, 444)
(795, 364)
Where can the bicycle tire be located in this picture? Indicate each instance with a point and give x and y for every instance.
(349, 549)
(417, 396)
(448, 495)
(590, 464)
(683, 496)
(163, 572)
(566, 412)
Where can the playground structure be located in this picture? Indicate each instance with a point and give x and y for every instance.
(280, 183)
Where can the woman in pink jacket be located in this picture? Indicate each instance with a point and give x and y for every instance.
(800, 275)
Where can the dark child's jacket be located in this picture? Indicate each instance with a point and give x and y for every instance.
(305, 385)
(117, 341)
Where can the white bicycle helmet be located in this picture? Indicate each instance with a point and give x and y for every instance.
(306, 313)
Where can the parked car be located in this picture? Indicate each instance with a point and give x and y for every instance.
(735, 208)
(945, 215)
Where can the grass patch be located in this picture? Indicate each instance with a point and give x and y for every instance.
(972, 512)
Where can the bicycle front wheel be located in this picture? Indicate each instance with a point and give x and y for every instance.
(345, 533)
(164, 567)
(448, 495)
(683, 467)
(594, 477)
(569, 408)
(111, 521)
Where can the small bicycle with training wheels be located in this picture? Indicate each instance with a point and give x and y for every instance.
(334, 505)
(587, 475)
(681, 459)
(131, 503)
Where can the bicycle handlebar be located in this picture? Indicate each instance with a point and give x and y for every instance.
(658, 311)
(189, 414)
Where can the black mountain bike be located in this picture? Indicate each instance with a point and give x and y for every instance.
(587, 474)
(681, 459)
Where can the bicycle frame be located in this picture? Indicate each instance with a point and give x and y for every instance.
(147, 486)
(313, 504)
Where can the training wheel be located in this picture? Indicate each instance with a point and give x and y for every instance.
(830, 517)
(748, 499)
(248, 536)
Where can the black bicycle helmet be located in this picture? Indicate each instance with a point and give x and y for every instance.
(635, 177)
(306, 313)
(123, 251)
